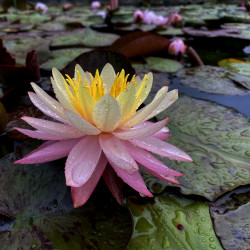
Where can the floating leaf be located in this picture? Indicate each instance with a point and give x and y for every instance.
(159, 64)
(140, 44)
(84, 37)
(39, 214)
(88, 61)
(217, 138)
(214, 80)
(60, 58)
(172, 222)
(20, 46)
(231, 218)
(237, 66)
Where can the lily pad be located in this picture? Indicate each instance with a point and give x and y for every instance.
(237, 66)
(84, 37)
(214, 80)
(163, 64)
(159, 64)
(172, 222)
(60, 58)
(38, 211)
(88, 61)
(171, 31)
(217, 138)
(22, 45)
(231, 219)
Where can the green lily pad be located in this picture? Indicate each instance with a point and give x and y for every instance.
(171, 31)
(20, 46)
(85, 37)
(159, 65)
(231, 219)
(135, 26)
(237, 66)
(38, 211)
(172, 222)
(217, 139)
(60, 58)
(26, 17)
(214, 80)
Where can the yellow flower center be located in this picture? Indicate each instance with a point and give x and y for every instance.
(95, 87)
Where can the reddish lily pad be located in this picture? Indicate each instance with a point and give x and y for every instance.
(140, 44)
(5, 57)
(38, 212)
(217, 138)
(214, 80)
(88, 61)
(3, 118)
(172, 222)
(231, 218)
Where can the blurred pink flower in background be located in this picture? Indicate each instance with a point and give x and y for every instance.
(41, 7)
(177, 47)
(138, 16)
(175, 18)
(151, 18)
(95, 5)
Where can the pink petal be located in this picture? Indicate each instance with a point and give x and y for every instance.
(116, 152)
(43, 107)
(162, 148)
(81, 194)
(40, 135)
(53, 128)
(82, 161)
(133, 179)
(146, 123)
(170, 179)
(49, 151)
(114, 184)
(161, 135)
(141, 132)
(149, 162)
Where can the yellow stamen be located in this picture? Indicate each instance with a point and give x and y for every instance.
(95, 87)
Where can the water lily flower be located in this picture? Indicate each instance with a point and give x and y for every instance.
(102, 13)
(41, 7)
(98, 124)
(149, 17)
(95, 5)
(177, 47)
(138, 16)
(174, 19)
